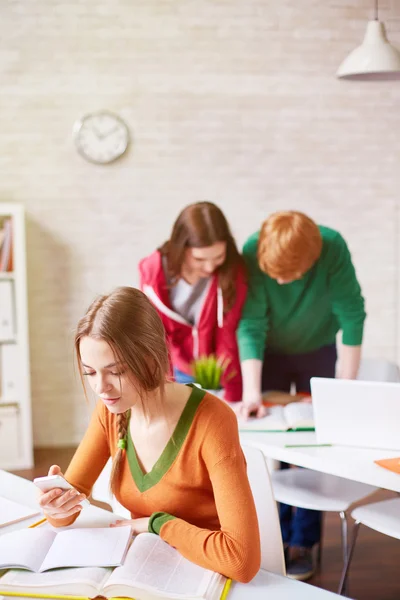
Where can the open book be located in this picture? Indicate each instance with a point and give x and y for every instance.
(296, 416)
(12, 512)
(43, 549)
(152, 570)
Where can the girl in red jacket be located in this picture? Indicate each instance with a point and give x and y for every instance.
(196, 280)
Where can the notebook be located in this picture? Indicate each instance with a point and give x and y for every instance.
(152, 570)
(392, 464)
(13, 512)
(39, 549)
(296, 416)
(356, 413)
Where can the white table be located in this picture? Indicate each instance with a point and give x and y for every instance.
(268, 586)
(345, 461)
(264, 585)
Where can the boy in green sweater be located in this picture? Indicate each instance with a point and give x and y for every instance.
(303, 289)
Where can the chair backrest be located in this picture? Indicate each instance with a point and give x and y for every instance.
(101, 492)
(272, 558)
(378, 369)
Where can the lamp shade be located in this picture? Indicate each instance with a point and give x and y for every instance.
(376, 58)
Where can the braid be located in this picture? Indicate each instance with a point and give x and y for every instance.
(122, 425)
(122, 430)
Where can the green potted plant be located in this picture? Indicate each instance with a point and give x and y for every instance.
(208, 371)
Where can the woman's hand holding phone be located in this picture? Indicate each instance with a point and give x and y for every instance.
(59, 499)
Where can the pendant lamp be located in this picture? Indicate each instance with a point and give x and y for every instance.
(375, 59)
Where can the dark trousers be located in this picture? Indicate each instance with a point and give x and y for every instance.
(300, 526)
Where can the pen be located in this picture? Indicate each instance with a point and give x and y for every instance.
(306, 445)
(37, 523)
(226, 589)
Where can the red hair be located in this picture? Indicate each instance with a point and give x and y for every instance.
(289, 244)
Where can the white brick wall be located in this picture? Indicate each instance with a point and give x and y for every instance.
(231, 101)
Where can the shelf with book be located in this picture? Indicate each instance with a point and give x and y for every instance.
(16, 446)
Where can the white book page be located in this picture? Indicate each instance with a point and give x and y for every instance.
(12, 512)
(25, 548)
(151, 563)
(88, 547)
(299, 414)
(84, 581)
(274, 421)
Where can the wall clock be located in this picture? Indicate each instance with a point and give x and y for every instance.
(101, 137)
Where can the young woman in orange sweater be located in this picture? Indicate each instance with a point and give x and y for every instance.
(177, 461)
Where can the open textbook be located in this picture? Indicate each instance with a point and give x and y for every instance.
(296, 416)
(39, 550)
(152, 570)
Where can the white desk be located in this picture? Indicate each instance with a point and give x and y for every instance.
(264, 585)
(348, 462)
(268, 586)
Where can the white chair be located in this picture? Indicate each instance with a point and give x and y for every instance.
(272, 558)
(383, 517)
(377, 369)
(102, 493)
(304, 488)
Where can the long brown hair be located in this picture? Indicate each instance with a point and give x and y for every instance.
(130, 324)
(201, 225)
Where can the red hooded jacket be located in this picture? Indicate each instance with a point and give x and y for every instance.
(215, 332)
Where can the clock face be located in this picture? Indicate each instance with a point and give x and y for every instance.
(101, 137)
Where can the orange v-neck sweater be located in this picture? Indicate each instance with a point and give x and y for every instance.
(205, 489)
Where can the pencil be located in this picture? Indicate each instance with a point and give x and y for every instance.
(29, 595)
(37, 523)
(226, 589)
(306, 445)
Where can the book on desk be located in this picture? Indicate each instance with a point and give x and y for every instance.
(391, 464)
(152, 570)
(41, 549)
(296, 416)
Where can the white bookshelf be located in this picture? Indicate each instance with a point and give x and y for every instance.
(16, 444)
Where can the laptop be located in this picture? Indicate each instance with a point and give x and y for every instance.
(356, 413)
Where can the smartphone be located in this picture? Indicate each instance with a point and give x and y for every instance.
(49, 482)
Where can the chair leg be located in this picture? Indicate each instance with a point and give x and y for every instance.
(319, 551)
(343, 579)
(343, 520)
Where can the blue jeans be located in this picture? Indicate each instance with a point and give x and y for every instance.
(181, 377)
(300, 526)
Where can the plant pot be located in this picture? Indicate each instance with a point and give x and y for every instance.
(219, 393)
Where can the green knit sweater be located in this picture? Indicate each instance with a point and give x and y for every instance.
(306, 314)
